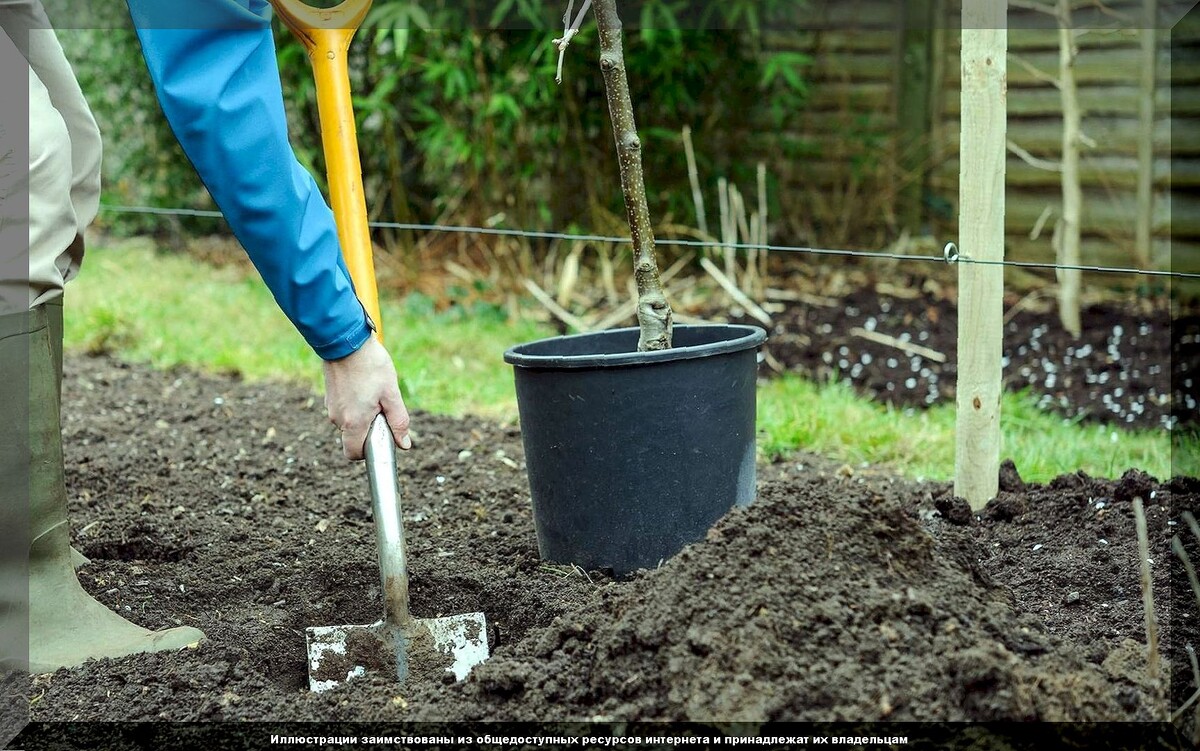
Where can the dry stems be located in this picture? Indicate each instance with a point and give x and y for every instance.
(1153, 656)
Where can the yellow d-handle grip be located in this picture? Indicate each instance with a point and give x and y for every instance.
(326, 34)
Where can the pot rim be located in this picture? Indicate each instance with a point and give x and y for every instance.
(751, 337)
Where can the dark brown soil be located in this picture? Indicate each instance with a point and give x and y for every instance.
(1117, 372)
(225, 505)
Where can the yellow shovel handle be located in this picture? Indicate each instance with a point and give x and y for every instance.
(326, 34)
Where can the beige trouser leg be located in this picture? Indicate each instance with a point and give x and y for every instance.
(45, 210)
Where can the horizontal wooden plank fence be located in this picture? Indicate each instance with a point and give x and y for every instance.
(876, 150)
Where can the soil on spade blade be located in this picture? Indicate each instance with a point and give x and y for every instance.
(839, 595)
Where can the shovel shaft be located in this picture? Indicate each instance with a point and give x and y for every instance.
(326, 34)
(389, 523)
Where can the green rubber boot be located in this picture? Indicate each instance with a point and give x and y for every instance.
(66, 625)
(54, 316)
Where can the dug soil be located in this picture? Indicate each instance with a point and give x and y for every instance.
(839, 595)
(900, 349)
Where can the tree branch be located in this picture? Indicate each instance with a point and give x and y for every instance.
(571, 28)
(1034, 71)
(1032, 160)
(1122, 17)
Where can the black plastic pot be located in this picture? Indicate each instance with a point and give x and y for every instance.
(632, 455)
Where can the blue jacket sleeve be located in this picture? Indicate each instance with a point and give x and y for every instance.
(214, 68)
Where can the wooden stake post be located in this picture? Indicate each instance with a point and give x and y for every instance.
(981, 238)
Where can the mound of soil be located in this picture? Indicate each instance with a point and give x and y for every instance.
(837, 596)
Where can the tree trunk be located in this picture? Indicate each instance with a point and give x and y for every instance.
(653, 310)
(1069, 279)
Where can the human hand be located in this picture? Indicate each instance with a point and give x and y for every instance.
(357, 388)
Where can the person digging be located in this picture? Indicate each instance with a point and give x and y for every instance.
(215, 72)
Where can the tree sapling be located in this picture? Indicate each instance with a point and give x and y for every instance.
(653, 311)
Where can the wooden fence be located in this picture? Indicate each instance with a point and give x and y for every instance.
(877, 150)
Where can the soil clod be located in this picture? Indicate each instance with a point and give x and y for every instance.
(1010, 478)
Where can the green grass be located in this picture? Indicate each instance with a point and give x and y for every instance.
(167, 309)
(831, 419)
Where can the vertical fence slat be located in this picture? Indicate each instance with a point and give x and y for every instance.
(981, 237)
(913, 118)
(1145, 178)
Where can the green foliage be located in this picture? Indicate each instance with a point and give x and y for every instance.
(459, 116)
(143, 163)
(450, 361)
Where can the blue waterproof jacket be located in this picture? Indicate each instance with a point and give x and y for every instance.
(214, 67)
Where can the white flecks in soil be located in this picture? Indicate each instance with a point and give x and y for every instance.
(1116, 372)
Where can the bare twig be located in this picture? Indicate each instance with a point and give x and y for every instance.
(892, 290)
(1026, 301)
(1190, 521)
(1040, 224)
(771, 362)
(728, 226)
(630, 306)
(764, 235)
(1153, 657)
(557, 310)
(1122, 17)
(1033, 161)
(694, 179)
(460, 271)
(678, 266)
(752, 308)
(1177, 546)
(804, 297)
(738, 206)
(1191, 653)
(1034, 71)
(1181, 552)
(891, 341)
(581, 572)
(619, 313)
(569, 276)
(569, 31)
(1195, 677)
(608, 274)
(1192, 699)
